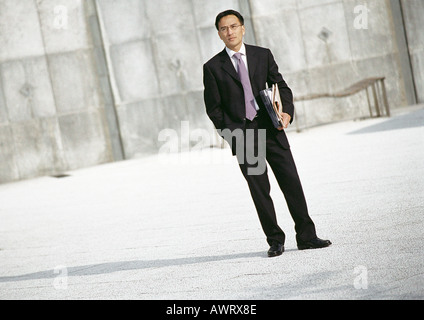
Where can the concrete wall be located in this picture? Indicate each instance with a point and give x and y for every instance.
(102, 81)
(413, 14)
(51, 111)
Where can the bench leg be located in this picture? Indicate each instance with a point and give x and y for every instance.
(377, 107)
(386, 102)
(369, 102)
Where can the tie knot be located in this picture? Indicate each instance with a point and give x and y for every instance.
(237, 55)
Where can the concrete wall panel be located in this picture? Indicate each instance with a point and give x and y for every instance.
(282, 34)
(302, 4)
(134, 70)
(417, 61)
(4, 119)
(297, 81)
(42, 100)
(179, 64)
(74, 83)
(17, 95)
(142, 123)
(27, 89)
(375, 25)
(51, 131)
(83, 139)
(261, 8)
(414, 20)
(336, 49)
(206, 11)
(33, 149)
(20, 34)
(168, 16)
(209, 42)
(196, 111)
(63, 25)
(414, 15)
(124, 20)
(8, 168)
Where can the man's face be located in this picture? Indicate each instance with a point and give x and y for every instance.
(231, 32)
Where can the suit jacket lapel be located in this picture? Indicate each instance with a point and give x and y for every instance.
(228, 66)
(252, 61)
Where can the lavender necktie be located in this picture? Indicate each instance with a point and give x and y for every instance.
(249, 98)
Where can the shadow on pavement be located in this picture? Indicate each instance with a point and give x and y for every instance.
(109, 267)
(410, 120)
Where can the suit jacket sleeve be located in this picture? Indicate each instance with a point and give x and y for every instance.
(274, 76)
(212, 98)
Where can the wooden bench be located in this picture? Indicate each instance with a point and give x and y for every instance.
(375, 84)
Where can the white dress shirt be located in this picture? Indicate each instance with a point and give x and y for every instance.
(233, 59)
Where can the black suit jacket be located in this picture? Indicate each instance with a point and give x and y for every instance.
(224, 96)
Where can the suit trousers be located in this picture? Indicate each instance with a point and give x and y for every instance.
(283, 166)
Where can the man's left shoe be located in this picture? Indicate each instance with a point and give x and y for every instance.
(276, 249)
(313, 244)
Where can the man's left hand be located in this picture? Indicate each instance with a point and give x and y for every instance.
(286, 121)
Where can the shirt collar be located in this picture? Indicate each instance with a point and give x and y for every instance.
(231, 52)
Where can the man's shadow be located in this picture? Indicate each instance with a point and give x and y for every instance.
(110, 267)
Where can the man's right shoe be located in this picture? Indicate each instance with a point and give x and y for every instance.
(275, 250)
(313, 244)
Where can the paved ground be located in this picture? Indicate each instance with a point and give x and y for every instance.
(185, 228)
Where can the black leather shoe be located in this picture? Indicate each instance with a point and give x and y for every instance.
(276, 250)
(313, 244)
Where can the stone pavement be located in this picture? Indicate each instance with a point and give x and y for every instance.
(184, 226)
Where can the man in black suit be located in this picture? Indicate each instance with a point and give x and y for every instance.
(238, 113)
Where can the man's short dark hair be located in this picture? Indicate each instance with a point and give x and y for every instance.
(228, 13)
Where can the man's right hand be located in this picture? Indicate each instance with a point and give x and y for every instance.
(286, 121)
